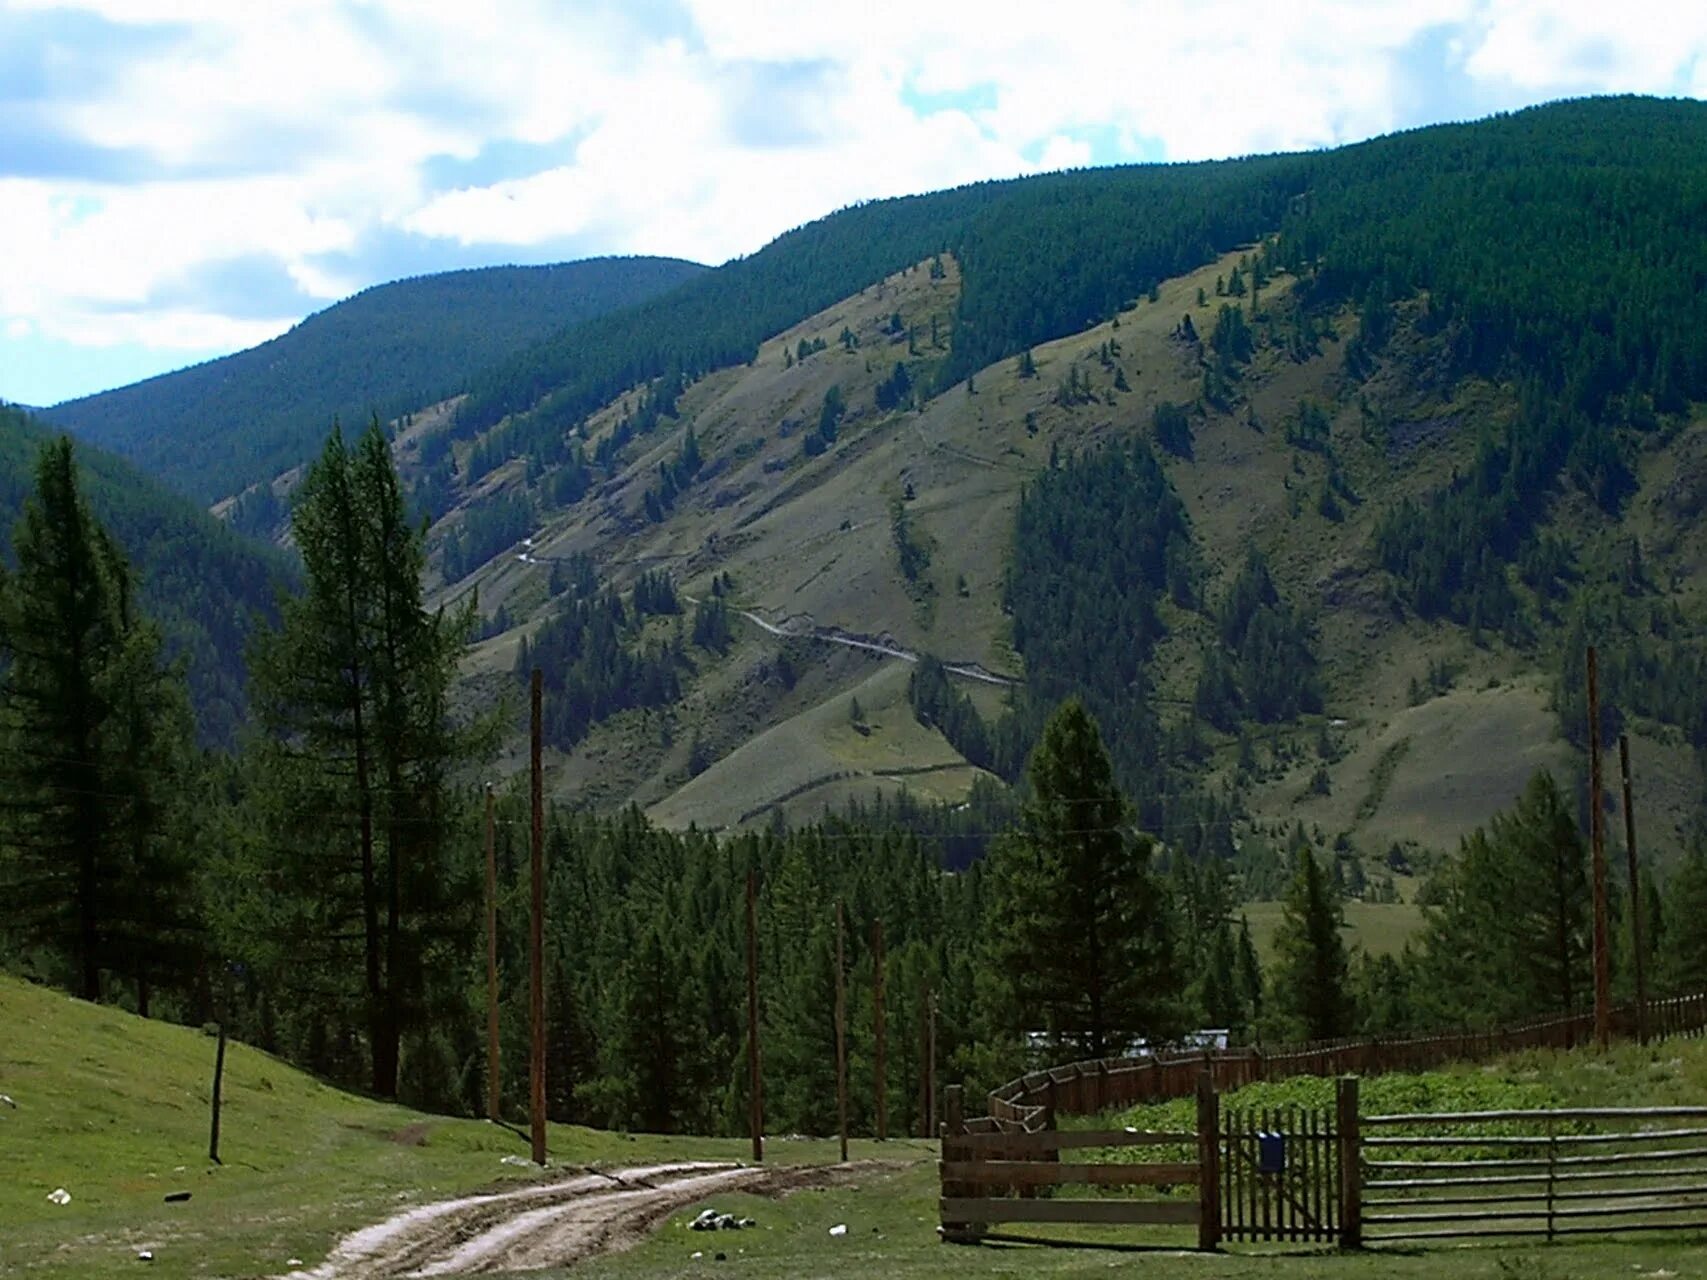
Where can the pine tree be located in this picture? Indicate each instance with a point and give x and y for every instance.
(1078, 926)
(94, 739)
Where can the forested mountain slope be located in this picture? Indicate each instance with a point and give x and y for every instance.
(203, 583)
(213, 429)
(1441, 384)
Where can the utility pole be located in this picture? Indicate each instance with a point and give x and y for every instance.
(1635, 893)
(1597, 837)
(880, 1064)
(536, 937)
(930, 1062)
(492, 1047)
(841, 1040)
(924, 1061)
(755, 1077)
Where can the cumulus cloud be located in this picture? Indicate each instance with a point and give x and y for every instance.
(188, 174)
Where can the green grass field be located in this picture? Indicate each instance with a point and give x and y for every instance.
(1380, 928)
(113, 1109)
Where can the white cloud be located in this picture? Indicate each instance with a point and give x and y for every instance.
(1592, 46)
(296, 130)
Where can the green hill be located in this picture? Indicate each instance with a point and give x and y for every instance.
(114, 1109)
(1442, 382)
(206, 585)
(216, 428)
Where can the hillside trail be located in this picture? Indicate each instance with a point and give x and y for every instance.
(802, 626)
(551, 1224)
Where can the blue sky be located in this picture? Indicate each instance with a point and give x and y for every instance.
(184, 178)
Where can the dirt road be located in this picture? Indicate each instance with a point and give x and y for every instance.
(548, 1224)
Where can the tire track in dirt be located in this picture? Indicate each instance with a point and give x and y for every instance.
(552, 1224)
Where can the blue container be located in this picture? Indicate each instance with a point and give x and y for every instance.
(1271, 1153)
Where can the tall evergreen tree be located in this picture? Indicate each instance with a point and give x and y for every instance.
(1311, 969)
(1078, 926)
(94, 734)
(1510, 937)
(1684, 967)
(353, 690)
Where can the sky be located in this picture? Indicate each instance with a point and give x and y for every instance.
(180, 179)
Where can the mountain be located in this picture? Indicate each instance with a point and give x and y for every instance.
(216, 428)
(206, 585)
(1444, 385)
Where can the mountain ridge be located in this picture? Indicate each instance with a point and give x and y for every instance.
(388, 349)
(207, 585)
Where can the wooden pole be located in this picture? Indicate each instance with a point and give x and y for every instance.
(925, 1130)
(1346, 1125)
(1597, 838)
(953, 1151)
(755, 1076)
(1635, 893)
(492, 1045)
(930, 1060)
(1208, 1164)
(536, 936)
(879, 1064)
(218, 1081)
(841, 1041)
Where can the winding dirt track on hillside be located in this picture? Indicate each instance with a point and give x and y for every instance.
(802, 626)
(550, 1224)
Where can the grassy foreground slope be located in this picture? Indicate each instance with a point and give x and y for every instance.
(891, 1222)
(114, 1109)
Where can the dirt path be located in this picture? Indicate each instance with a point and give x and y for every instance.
(799, 625)
(548, 1224)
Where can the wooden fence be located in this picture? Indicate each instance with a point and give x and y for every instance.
(1335, 1176)
(1534, 1173)
(995, 1173)
(1098, 1085)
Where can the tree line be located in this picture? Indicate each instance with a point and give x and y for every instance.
(319, 891)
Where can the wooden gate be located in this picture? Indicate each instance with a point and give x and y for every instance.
(1281, 1175)
(996, 1173)
(1534, 1173)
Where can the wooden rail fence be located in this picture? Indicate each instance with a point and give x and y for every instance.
(1106, 1084)
(1335, 1176)
(1535, 1173)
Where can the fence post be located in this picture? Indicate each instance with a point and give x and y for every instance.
(1351, 1163)
(953, 1126)
(1208, 1164)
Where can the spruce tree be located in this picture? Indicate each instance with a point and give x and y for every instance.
(94, 740)
(1310, 989)
(1078, 927)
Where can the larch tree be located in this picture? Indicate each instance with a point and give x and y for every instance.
(353, 690)
(1510, 936)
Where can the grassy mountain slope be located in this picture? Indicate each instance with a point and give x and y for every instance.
(213, 429)
(1461, 436)
(810, 544)
(114, 1108)
(203, 583)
